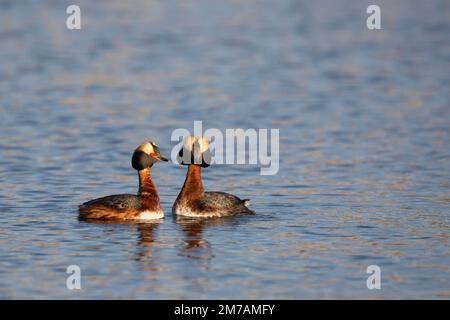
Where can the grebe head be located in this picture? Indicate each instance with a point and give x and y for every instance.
(195, 151)
(146, 155)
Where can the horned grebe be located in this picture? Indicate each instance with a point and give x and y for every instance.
(144, 205)
(192, 201)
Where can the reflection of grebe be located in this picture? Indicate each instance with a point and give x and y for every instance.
(144, 205)
(145, 241)
(196, 246)
(146, 234)
(145, 244)
(192, 201)
(193, 230)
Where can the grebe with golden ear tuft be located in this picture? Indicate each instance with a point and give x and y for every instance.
(143, 206)
(192, 200)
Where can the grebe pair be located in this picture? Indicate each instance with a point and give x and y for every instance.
(192, 201)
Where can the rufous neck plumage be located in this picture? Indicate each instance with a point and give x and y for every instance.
(192, 187)
(146, 185)
(147, 190)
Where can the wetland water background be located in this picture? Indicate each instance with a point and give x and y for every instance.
(364, 147)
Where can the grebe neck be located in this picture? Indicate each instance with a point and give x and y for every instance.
(192, 187)
(146, 185)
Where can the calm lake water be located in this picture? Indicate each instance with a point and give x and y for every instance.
(364, 119)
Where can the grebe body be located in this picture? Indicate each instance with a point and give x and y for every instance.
(142, 206)
(192, 201)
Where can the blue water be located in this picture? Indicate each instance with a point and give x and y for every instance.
(364, 119)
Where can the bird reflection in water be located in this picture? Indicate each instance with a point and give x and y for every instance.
(145, 243)
(145, 240)
(195, 245)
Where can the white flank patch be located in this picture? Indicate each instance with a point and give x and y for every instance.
(151, 215)
(185, 211)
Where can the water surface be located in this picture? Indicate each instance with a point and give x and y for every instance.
(364, 147)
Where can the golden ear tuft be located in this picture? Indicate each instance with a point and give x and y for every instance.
(189, 142)
(146, 147)
(204, 144)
